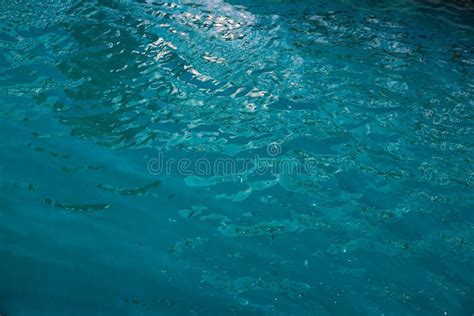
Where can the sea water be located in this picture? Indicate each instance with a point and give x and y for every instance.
(236, 157)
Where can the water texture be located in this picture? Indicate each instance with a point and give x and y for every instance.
(373, 101)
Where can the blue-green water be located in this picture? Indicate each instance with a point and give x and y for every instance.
(236, 158)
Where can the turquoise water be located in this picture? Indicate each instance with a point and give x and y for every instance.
(236, 158)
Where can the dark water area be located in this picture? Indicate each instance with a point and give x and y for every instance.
(236, 157)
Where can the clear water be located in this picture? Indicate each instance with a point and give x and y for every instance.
(373, 102)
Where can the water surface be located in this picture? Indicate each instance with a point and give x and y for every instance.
(374, 99)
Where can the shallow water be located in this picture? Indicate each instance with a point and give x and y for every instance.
(240, 157)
